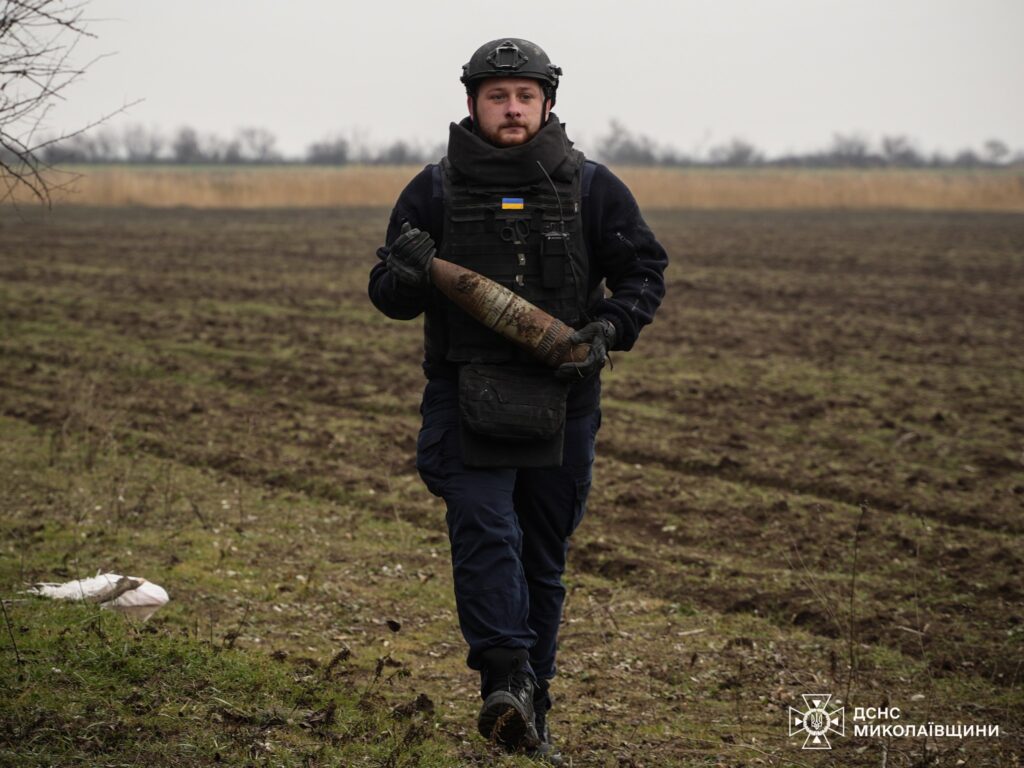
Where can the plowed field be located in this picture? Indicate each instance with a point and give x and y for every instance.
(810, 473)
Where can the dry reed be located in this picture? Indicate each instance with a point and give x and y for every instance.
(354, 186)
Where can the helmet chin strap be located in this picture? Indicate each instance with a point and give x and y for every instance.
(472, 117)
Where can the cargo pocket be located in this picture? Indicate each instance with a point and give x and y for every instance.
(580, 504)
(430, 458)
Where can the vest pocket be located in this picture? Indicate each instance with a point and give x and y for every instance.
(554, 258)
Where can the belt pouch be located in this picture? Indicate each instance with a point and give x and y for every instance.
(511, 416)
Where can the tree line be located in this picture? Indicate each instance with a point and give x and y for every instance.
(255, 146)
(624, 147)
(620, 146)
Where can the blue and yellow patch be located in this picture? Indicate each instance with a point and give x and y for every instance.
(511, 203)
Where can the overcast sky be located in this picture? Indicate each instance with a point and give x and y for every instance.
(783, 74)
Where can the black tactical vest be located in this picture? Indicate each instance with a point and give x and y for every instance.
(525, 232)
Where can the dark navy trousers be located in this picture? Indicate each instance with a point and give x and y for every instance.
(509, 531)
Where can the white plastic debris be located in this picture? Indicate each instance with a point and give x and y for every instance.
(130, 594)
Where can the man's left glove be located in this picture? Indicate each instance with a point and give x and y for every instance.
(410, 255)
(600, 335)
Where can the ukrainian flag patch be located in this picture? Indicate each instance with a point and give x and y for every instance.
(511, 203)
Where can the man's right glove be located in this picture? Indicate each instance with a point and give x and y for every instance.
(410, 255)
(600, 335)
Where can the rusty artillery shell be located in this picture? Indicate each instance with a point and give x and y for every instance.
(524, 324)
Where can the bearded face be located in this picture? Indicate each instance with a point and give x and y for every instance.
(508, 110)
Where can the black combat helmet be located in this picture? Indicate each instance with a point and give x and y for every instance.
(511, 57)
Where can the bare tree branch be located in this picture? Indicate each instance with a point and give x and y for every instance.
(37, 41)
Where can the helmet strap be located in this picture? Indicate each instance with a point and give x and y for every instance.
(472, 115)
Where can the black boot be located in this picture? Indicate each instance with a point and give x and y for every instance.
(507, 716)
(546, 751)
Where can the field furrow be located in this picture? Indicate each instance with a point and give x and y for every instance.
(810, 471)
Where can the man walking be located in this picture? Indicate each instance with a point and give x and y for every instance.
(507, 442)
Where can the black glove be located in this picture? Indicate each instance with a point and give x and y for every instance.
(410, 255)
(600, 335)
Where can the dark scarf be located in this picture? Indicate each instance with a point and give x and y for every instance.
(480, 162)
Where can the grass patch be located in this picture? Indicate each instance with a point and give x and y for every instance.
(94, 687)
(691, 188)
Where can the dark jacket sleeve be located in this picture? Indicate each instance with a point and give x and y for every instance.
(395, 299)
(626, 253)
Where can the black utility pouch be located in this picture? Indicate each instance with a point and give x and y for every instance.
(511, 416)
(555, 254)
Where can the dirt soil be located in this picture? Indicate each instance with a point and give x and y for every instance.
(810, 473)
